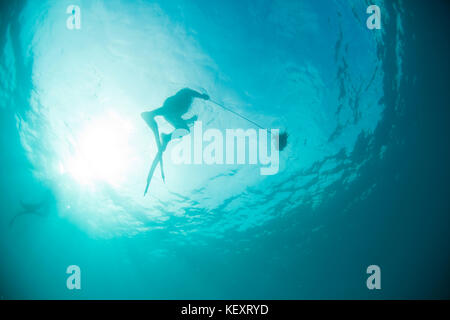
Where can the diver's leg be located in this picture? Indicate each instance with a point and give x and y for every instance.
(152, 170)
(158, 158)
(165, 139)
(177, 123)
(149, 118)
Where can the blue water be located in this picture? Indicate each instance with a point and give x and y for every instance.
(362, 180)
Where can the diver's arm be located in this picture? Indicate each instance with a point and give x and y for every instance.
(199, 95)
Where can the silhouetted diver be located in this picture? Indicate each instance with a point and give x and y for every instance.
(172, 110)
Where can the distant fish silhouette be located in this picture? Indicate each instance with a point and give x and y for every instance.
(39, 208)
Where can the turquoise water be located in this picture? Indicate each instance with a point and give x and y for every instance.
(344, 198)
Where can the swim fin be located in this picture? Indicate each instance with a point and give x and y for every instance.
(158, 158)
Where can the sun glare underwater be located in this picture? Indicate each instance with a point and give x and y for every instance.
(75, 147)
